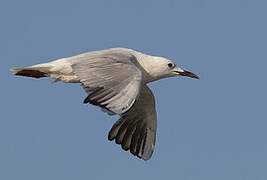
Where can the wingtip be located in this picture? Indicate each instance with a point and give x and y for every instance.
(28, 72)
(14, 70)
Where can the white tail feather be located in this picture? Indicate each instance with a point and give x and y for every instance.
(60, 70)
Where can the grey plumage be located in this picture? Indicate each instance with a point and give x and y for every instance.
(136, 129)
(115, 80)
(106, 84)
(116, 91)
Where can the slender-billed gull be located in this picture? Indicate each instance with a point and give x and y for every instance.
(115, 80)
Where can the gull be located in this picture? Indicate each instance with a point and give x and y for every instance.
(116, 81)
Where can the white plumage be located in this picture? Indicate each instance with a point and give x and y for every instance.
(115, 80)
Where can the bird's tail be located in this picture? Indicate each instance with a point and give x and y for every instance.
(30, 72)
(36, 71)
(60, 70)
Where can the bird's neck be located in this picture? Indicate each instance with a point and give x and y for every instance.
(149, 68)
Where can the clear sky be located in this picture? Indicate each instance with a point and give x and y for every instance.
(212, 128)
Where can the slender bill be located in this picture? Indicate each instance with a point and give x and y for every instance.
(188, 74)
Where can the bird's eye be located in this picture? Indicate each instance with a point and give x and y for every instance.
(170, 65)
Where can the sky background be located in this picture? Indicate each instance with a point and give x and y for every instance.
(212, 128)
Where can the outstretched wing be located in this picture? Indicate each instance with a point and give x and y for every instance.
(112, 80)
(136, 129)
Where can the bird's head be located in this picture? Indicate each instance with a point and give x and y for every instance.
(163, 68)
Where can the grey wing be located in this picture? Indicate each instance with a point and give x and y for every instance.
(136, 129)
(112, 81)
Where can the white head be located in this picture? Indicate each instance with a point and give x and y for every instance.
(160, 67)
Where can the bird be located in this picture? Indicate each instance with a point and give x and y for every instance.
(116, 80)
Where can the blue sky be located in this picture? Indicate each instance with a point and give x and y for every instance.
(212, 128)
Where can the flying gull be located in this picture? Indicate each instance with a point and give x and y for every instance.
(115, 80)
